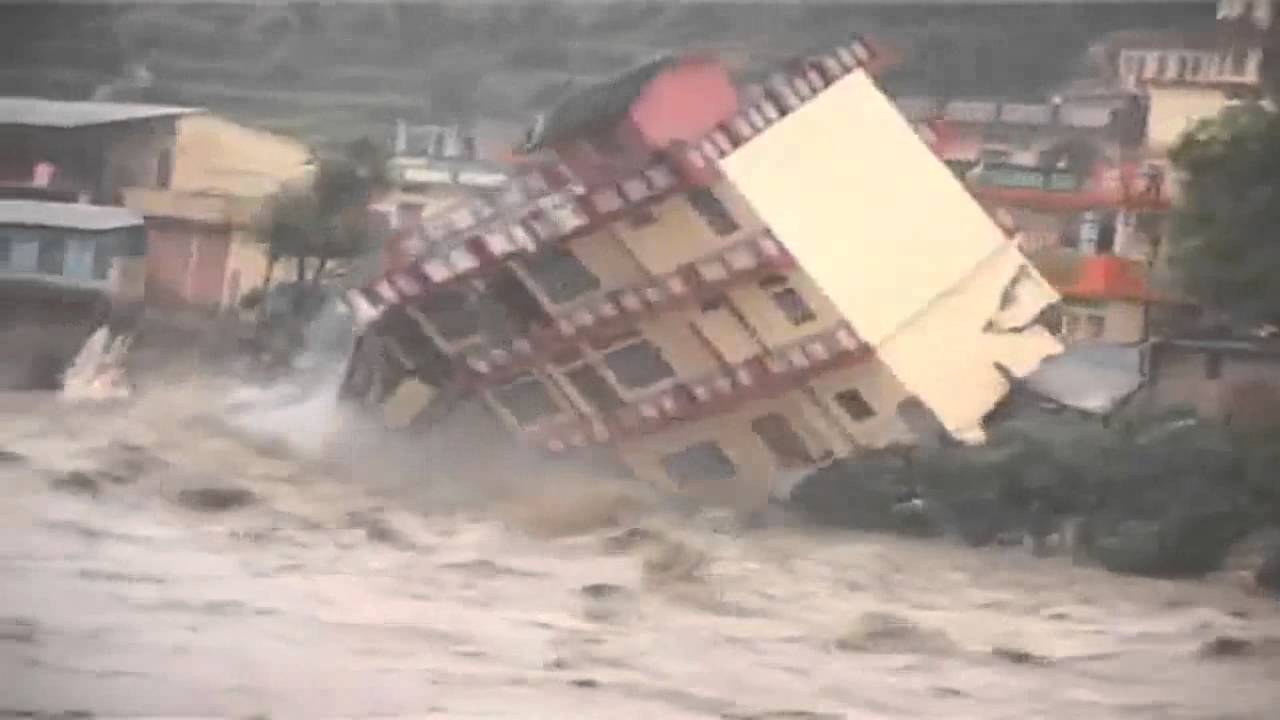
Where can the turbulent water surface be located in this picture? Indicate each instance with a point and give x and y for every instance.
(166, 557)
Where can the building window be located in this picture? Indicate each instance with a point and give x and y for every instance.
(788, 299)
(593, 386)
(1213, 366)
(793, 306)
(703, 462)
(527, 399)
(777, 434)
(713, 212)
(451, 314)
(164, 169)
(854, 405)
(52, 255)
(6, 250)
(638, 365)
(1094, 326)
(560, 274)
(102, 257)
(640, 217)
(79, 261)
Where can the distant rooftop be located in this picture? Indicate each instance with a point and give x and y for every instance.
(596, 105)
(74, 216)
(43, 112)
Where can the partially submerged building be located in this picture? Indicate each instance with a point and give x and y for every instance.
(65, 269)
(723, 288)
(203, 225)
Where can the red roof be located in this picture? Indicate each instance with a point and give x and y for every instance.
(1107, 277)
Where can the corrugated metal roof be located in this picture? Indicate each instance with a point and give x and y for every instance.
(43, 112)
(77, 216)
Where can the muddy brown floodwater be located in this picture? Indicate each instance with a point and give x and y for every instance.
(164, 558)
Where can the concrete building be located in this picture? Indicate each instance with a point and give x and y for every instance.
(202, 226)
(65, 269)
(1188, 76)
(89, 151)
(1229, 379)
(727, 288)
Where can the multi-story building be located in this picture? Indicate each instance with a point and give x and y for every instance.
(725, 287)
(85, 150)
(1186, 76)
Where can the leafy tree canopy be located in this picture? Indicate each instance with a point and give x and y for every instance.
(1226, 232)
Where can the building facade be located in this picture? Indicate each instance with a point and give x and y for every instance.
(87, 151)
(720, 285)
(203, 245)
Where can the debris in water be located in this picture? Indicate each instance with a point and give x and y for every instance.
(76, 481)
(1019, 656)
(97, 372)
(1226, 646)
(600, 591)
(672, 560)
(882, 632)
(215, 499)
(19, 630)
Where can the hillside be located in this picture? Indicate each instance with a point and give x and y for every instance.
(327, 72)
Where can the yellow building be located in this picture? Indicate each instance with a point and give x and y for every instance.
(727, 294)
(203, 247)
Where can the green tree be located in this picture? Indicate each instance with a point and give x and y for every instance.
(1224, 242)
(326, 221)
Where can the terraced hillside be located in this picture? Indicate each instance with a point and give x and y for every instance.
(326, 72)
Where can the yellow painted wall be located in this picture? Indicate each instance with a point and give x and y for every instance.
(757, 469)
(1175, 109)
(898, 245)
(762, 312)
(882, 391)
(608, 259)
(216, 155)
(730, 337)
(680, 236)
(682, 349)
(223, 173)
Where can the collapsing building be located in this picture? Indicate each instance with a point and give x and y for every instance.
(727, 286)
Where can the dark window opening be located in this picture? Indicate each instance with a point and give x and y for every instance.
(593, 386)
(641, 217)
(101, 261)
(528, 400)
(777, 434)
(638, 365)
(522, 306)
(713, 211)
(1095, 326)
(6, 251)
(560, 274)
(451, 314)
(1213, 366)
(854, 405)
(164, 169)
(51, 256)
(703, 462)
(772, 281)
(796, 310)
(713, 304)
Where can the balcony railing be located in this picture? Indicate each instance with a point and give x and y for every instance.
(616, 310)
(765, 375)
(472, 238)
